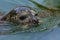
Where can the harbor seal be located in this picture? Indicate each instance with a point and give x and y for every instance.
(22, 16)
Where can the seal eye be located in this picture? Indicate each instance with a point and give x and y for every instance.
(36, 14)
(22, 17)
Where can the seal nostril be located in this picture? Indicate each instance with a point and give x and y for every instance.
(35, 21)
(22, 17)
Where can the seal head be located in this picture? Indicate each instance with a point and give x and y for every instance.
(22, 16)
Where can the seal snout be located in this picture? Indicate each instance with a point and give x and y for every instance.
(35, 20)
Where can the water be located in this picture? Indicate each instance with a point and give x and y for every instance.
(7, 5)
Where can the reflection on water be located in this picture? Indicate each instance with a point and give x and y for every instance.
(46, 23)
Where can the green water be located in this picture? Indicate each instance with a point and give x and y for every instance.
(48, 7)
